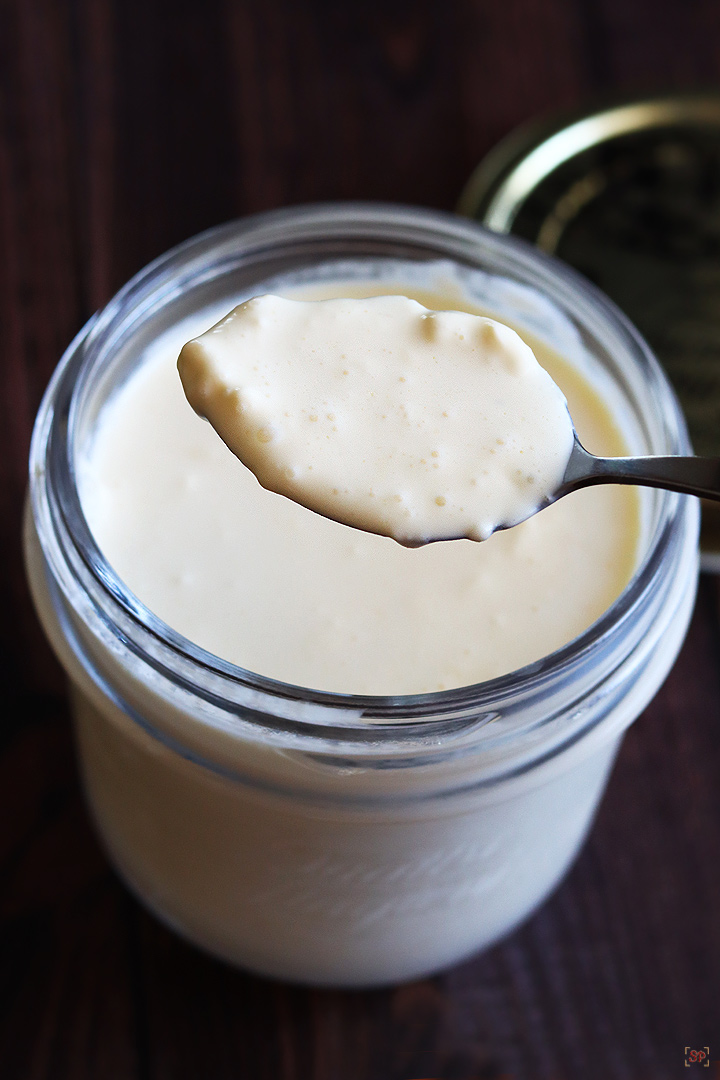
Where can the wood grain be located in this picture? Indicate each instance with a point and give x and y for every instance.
(126, 126)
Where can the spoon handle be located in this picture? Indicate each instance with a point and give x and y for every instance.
(690, 475)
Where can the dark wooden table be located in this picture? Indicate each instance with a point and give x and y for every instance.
(126, 126)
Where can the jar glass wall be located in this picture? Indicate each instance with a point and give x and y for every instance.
(323, 837)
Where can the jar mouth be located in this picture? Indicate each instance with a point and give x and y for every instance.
(89, 585)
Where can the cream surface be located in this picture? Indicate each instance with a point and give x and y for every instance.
(263, 582)
(383, 414)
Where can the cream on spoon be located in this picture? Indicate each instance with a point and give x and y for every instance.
(416, 424)
(382, 414)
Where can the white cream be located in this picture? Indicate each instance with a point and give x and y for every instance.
(260, 581)
(383, 414)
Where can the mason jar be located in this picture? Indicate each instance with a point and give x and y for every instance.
(320, 837)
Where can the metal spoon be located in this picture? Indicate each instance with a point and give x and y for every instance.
(689, 475)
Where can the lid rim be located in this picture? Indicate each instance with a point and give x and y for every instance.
(502, 180)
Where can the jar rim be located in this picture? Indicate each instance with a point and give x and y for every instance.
(76, 561)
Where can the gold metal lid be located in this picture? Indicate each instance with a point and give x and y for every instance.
(630, 196)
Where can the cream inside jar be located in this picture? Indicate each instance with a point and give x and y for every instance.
(266, 584)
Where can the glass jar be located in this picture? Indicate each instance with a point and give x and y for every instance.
(320, 837)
